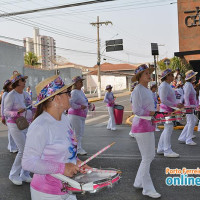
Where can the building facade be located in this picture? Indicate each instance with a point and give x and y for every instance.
(44, 48)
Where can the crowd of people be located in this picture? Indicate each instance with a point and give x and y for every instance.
(53, 139)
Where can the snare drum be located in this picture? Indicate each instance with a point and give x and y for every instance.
(93, 181)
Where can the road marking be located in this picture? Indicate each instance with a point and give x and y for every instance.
(96, 118)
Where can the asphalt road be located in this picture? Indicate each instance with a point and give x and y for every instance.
(124, 155)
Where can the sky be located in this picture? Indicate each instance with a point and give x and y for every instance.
(138, 22)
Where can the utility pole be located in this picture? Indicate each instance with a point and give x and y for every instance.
(97, 24)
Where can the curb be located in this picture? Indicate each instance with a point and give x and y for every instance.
(128, 121)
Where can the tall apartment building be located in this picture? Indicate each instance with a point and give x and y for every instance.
(43, 46)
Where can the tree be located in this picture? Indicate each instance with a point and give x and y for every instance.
(175, 63)
(31, 59)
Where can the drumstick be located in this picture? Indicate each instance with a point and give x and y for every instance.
(96, 154)
(102, 170)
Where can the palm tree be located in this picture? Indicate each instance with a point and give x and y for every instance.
(30, 59)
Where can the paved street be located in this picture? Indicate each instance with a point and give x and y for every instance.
(124, 155)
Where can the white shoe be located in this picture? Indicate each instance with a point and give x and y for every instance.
(81, 152)
(14, 151)
(160, 152)
(181, 141)
(26, 179)
(113, 129)
(194, 136)
(171, 155)
(192, 143)
(157, 129)
(131, 134)
(153, 195)
(16, 180)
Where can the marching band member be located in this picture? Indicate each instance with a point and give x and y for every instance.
(190, 101)
(143, 105)
(15, 106)
(12, 147)
(168, 100)
(110, 100)
(51, 146)
(78, 111)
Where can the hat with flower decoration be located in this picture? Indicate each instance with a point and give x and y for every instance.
(189, 74)
(49, 88)
(140, 69)
(166, 72)
(17, 76)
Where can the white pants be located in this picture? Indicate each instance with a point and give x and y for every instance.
(11, 144)
(36, 195)
(146, 144)
(111, 122)
(19, 138)
(78, 125)
(187, 132)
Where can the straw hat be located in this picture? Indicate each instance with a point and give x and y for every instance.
(189, 74)
(108, 87)
(6, 83)
(139, 70)
(77, 78)
(16, 76)
(49, 88)
(166, 72)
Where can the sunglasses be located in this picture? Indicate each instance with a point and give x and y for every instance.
(68, 92)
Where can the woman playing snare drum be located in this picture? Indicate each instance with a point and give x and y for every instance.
(51, 146)
(143, 105)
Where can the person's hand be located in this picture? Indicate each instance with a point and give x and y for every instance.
(3, 121)
(83, 107)
(70, 169)
(84, 168)
(21, 110)
(152, 113)
(180, 105)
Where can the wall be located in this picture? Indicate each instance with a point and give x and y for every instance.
(11, 59)
(189, 27)
(37, 75)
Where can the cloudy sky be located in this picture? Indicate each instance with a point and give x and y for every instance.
(138, 22)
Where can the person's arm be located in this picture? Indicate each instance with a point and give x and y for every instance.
(8, 108)
(163, 97)
(2, 105)
(37, 138)
(187, 95)
(106, 100)
(73, 100)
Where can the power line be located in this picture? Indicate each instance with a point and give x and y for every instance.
(53, 8)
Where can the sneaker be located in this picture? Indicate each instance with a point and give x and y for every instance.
(181, 141)
(137, 187)
(171, 155)
(81, 152)
(157, 129)
(153, 195)
(16, 180)
(131, 134)
(26, 179)
(192, 143)
(113, 129)
(194, 136)
(160, 152)
(14, 151)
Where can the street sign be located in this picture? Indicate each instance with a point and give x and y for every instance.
(114, 45)
(154, 49)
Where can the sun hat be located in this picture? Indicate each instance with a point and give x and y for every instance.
(6, 84)
(140, 69)
(108, 87)
(49, 88)
(189, 74)
(17, 76)
(166, 72)
(77, 78)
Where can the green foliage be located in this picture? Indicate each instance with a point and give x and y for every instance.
(31, 59)
(175, 63)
